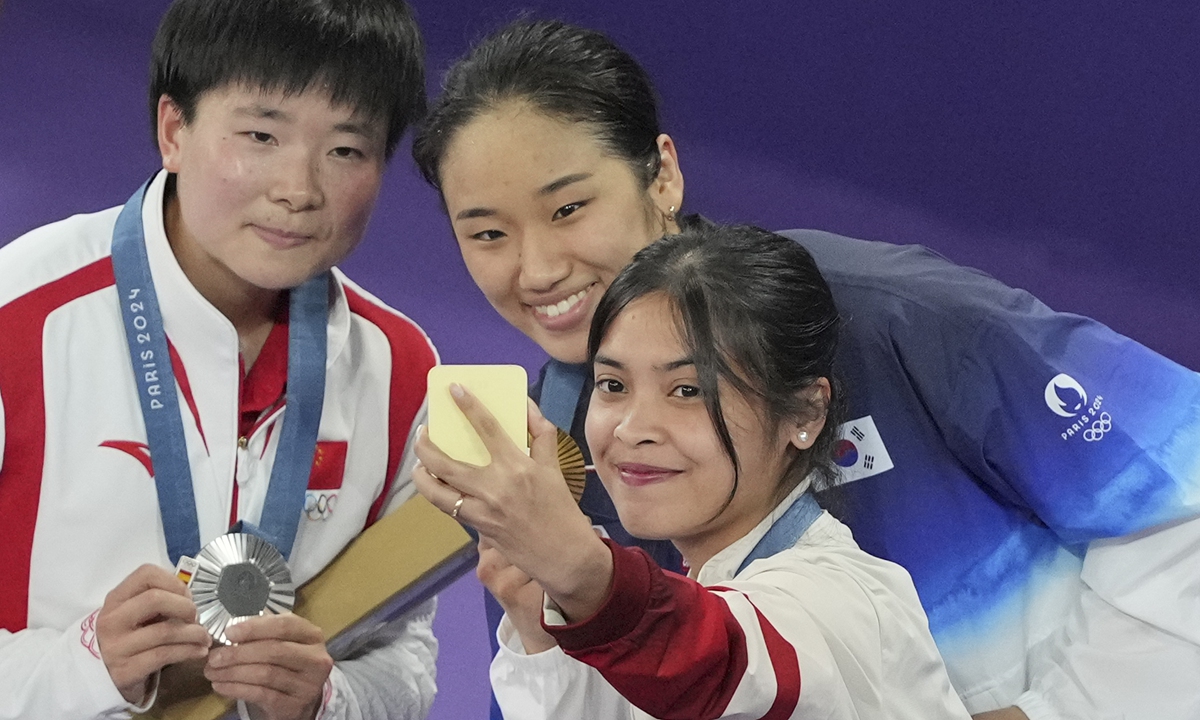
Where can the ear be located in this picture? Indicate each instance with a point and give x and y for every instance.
(171, 126)
(667, 188)
(803, 433)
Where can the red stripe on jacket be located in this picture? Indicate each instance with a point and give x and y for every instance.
(787, 670)
(185, 386)
(22, 386)
(412, 356)
(672, 647)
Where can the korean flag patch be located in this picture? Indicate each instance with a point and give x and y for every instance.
(860, 452)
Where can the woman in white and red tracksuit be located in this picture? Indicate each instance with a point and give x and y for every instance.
(268, 182)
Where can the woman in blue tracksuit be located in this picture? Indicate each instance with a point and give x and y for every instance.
(1036, 473)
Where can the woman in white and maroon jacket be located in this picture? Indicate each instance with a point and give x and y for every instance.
(712, 417)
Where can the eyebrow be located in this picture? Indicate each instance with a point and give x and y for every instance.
(548, 189)
(265, 112)
(476, 212)
(666, 367)
(555, 185)
(356, 128)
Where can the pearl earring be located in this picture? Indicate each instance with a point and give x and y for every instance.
(671, 214)
(803, 436)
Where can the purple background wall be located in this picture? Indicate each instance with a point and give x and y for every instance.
(1053, 144)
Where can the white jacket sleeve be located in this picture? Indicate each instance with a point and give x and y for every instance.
(391, 676)
(57, 675)
(549, 684)
(1131, 647)
(50, 674)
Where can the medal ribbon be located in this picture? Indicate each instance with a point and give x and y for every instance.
(155, 379)
(785, 531)
(561, 387)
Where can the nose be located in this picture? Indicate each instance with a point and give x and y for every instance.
(543, 264)
(297, 183)
(641, 421)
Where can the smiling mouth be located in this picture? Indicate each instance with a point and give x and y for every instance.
(563, 306)
(637, 474)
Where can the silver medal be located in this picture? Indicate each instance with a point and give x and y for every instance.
(240, 576)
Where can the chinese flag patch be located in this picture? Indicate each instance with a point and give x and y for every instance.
(329, 465)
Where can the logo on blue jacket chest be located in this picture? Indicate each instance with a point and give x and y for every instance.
(1066, 397)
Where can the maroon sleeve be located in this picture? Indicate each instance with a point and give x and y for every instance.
(668, 645)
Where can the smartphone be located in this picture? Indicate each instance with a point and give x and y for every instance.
(502, 390)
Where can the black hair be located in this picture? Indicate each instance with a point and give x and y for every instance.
(565, 72)
(753, 310)
(369, 53)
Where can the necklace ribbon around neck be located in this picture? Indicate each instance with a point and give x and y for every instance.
(155, 380)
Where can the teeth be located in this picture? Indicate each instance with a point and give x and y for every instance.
(562, 306)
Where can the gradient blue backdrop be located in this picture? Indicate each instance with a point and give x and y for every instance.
(1052, 143)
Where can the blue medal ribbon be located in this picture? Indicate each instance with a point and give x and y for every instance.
(561, 387)
(155, 379)
(785, 531)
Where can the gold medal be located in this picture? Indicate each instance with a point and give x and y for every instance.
(570, 461)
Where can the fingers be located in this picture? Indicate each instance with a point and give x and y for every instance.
(147, 577)
(492, 563)
(441, 495)
(494, 438)
(279, 663)
(544, 448)
(152, 605)
(133, 657)
(508, 583)
(133, 640)
(147, 622)
(519, 595)
(498, 444)
(446, 472)
(249, 662)
(286, 626)
(281, 694)
(431, 457)
(538, 424)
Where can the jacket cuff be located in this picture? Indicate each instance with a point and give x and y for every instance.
(622, 610)
(327, 710)
(1035, 707)
(94, 675)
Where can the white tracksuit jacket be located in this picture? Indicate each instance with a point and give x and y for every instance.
(78, 505)
(820, 630)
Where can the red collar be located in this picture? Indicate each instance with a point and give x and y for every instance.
(263, 387)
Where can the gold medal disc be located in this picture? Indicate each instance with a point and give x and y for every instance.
(570, 461)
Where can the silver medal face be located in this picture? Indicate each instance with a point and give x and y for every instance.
(240, 576)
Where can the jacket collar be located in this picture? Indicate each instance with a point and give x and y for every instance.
(723, 566)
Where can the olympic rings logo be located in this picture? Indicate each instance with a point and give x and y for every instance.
(1098, 429)
(319, 505)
